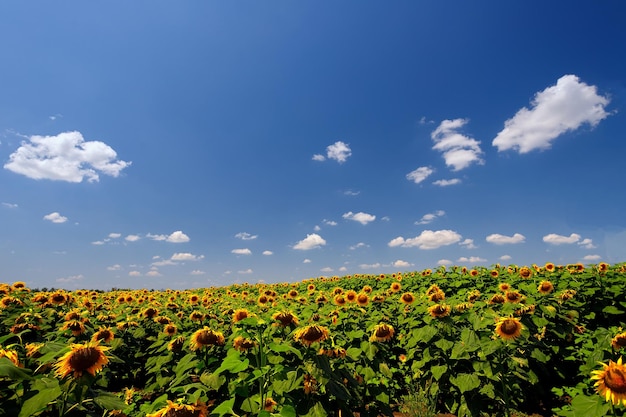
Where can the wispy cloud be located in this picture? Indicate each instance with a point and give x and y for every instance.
(447, 183)
(267, 252)
(339, 151)
(10, 205)
(420, 174)
(72, 278)
(311, 241)
(472, 259)
(363, 218)
(592, 258)
(428, 239)
(132, 238)
(558, 109)
(55, 217)
(498, 239)
(458, 150)
(376, 265)
(185, 256)
(430, 217)
(246, 236)
(65, 157)
(175, 237)
(243, 251)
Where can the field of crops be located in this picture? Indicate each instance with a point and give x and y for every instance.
(501, 341)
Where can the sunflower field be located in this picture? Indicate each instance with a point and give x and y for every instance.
(499, 341)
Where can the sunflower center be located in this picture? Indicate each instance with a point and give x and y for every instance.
(509, 327)
(313, 334)
(383, 331)
(615, 380)
(207, 338)
(84, 358)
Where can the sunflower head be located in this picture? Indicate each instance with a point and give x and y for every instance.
(437, 296)
(545, 287)
(311, 334)
(240, 314)
(181, 410)
(382, 333)
(83, 358)
(407, 298)
(285, 318)
(104, 334)
(206, 337)
(10, 355)
(242, 344)
(439, 310)
(619, 341)
(362, 299)
(611, 382)
(509, 328)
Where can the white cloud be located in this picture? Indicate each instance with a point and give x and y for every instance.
(10, 205)
(69, 279)
(115, 235)
(98, 242)
(311, 241)
(471, 259)
(592, 258)
(505, 258)
(164, 262)
(555, 239)
(358, 245)
(267, 252)
(65, 157)
(316, 228)
(329, 222)
(246, 236)
(587, 244)
(115, 267)
(468, 243)
(401, 264)
(446, 183)
(318, 157)
(197, 272)
(184, 256)
(558, 109)
(428, 239)
(132, 238)
(243, 251)
(245, 271)
(459, 151)
(351, 192)
(430, 217)
(327, 269)
(339, 151)
(419, 175)
(134, 274)
(498, 239)
(177, 237)
(370, 266)
(363, 218)
(444, 262)
(55, 217)
(343, 269)
(153, 273)
(306, 261)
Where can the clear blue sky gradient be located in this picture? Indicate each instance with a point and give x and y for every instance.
(155, 144)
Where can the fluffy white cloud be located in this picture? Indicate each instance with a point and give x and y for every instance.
(134, 274)
(244, 251)
(400, 264)
(339, 151)
(468, 243)
(587, 244)
(446, 183)
(419, 175)
(370, 266)
(306, 261)
(10, 205)
(55, 217)
(115, 235)
(592, 258)
(153, 273)
(311, 241)
(429, 217)
(327, 269)
(505, 258)
(65, 157)
(498, 239)
(363, 218)
(246, 236)
(471, 259)
(115, 267)
(555, 239)
(267, 252)
(164, 262)
(459, 151)
(132, 238)
(358, 245)
(444, 262)
(184, 256)
(177, 237)
(558, 109)
(329, 222)
(428, 239)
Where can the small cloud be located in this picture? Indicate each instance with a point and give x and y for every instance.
(164, 262)
(444, 262)
(72, 278)
(244, 251)
(401, 264)
(446, 183)
(132, 238)
(267, 252)
(186, 257)
(153, 273)
(351, 193)
(55, 116)
(360, 217)
(316, 228)
(329, 222)
(319, 158)
(558, 109)
(343, 269)
(471, 259)
(65, 157)
(370, 266)
(115, 267)
(246, 236)
(459, 151)
(505, 258)
(55, 217)
(592, 258)
(358, 245)
(424, 121)
(115, 235)
(98, 242)
(306, 261)
(10, 205)
(555, 239)
(385, 218)
(420, 174)
(498, 239)
(245, 271)
(177, 237)
(134, 274)
(468, 243)
(430, 217)
(428, 239)
(197, 272)
(311, 241)
(587, 244)
(338, 151)
(327, 269)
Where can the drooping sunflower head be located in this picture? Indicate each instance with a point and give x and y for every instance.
(513, 296)
(382, 333)
(83, 358)
(196, 316)
(285, 318)
(545, 287)
(76, 326)
(311, 334)
(611, 382)
(181, 410)
(619, 341)
(407, 298)
(206, 337)
(170, 329)
(242, 344)
(10, 355)
(104, 334)
(362, 299)
(437, 296)
(150, 313)
(439, 310)
(176, 344)
(240, 314)
(509, 328)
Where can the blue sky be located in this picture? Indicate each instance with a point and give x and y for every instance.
(156, 144)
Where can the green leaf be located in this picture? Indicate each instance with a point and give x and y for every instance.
(540, 356)
(186, 363)
(612, 310)
(424, 334)
(595, 406)
(288, 411)
(225, 408)
(489, 391)
(465, 382)
(291, 383)
(37, 403)
(9, 370)
(284, 347)
(438, 371)
(444, 344)
(316, 411)
(233, 363)
(213, 381)
(109, 401)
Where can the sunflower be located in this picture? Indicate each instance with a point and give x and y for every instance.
(87, 357)
(567, 295)
(473, 296)
(262, 300)
(240, 314)
(504, 286)
(619, 341)
(473, 273)
(58, 298)
(242, 344)
(150, 313)
(181, 410)
(176, 345)
(367, 289)
(382, 333)
(9, 301)
(395, 287)
(513, 296)
(285, 318)
(550, 267)
(339, 300)
(509, 328)
(362, 299)
(378, 298)
(32, 350)
(269, 404)
(206, 337)
(170, 329)
(351, 296)
(603, 267)
(439, 310)
(196, 316)
(321, 299)
(311, 334)
(310, 384)
(494, 273)
(19, 285)
(104, 334)
(463, 307)
(292, 294)
(407, 298)
(611, 382)
(525, 272)
(10, 355)
(545, 287)
(437, 296)
(77, 327)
